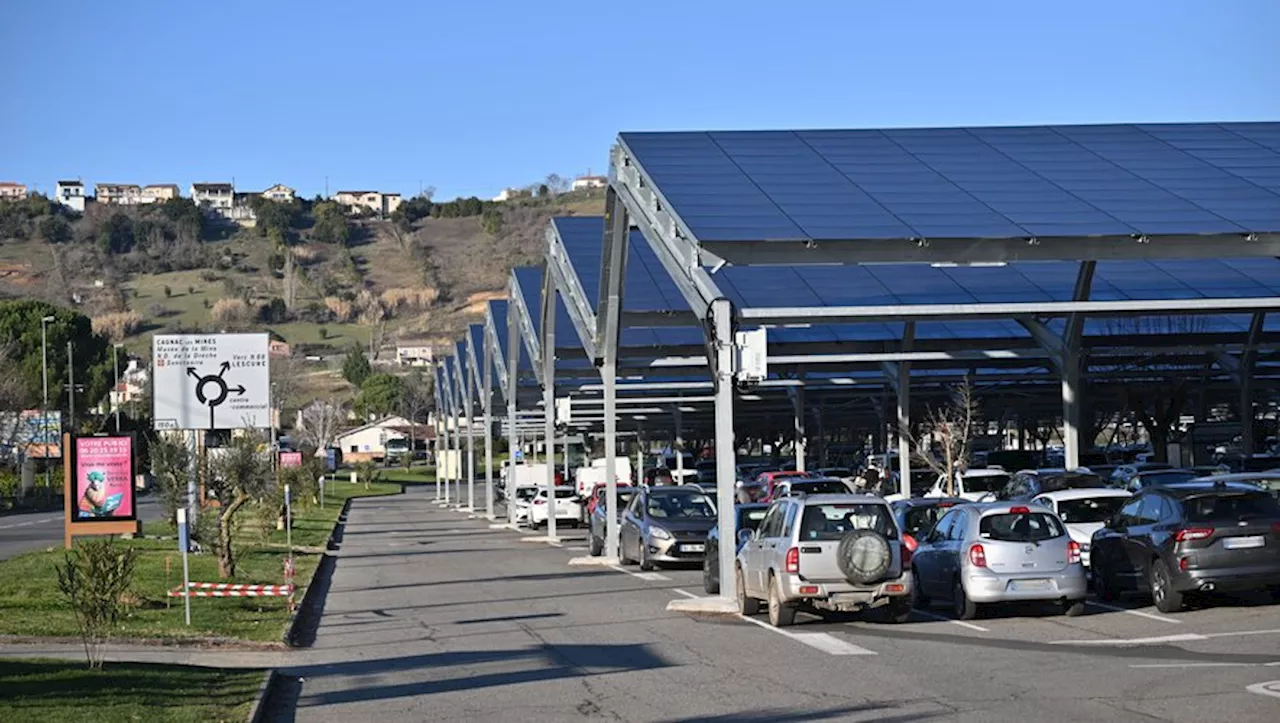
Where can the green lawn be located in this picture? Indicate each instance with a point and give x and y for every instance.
(52, 690)
(31, 605)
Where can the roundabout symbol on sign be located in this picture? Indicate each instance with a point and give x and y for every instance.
(212, 389)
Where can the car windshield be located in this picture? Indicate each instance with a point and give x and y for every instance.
(1229, 507)
(820, 487)
(833, 521)
(1166, 477)
(1070, 481)
(526, 493)
(1090, 509)
(756, 492)
(985, 483)
(922, 519)
(566, 494)
(751, 519)
(1020, 527)
(681, 505)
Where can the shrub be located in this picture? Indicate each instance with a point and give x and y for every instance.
(168, 292)
(208, 276)
(116, 325)
(274, 311)
(94, 578)
(231, 311)
(191, 291)
(340, 309)
(409, 299)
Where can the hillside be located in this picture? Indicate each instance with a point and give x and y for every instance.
(422, 279)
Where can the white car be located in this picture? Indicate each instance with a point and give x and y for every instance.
(568, 507)
(1084, 512)
(521, 498)
(975, 485)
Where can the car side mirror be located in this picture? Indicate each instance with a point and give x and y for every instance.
(744, 536)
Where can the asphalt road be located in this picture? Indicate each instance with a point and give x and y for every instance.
(27, 531)
(433, 616)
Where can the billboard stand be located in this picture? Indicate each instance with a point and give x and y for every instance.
(94, 466)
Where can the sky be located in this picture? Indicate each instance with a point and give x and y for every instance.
(471, 97)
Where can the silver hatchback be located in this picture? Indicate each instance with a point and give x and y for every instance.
(1000, 552)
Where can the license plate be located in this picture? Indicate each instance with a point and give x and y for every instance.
(1244, 543)
(693, 548)
(1031, 585)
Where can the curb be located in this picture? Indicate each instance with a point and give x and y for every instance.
(258, 710)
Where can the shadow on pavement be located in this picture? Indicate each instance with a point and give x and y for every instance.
(778, 715)
(540, 577)
(509, 618)
(431, 673)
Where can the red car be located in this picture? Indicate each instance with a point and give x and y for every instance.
(770, 479)
(597, 494)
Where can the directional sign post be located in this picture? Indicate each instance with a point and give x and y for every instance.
(211, 381)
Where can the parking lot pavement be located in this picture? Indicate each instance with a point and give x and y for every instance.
(432, 615)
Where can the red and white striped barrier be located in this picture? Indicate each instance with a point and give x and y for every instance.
(226, 589)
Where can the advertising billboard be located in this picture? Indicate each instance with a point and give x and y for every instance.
(290, 459)
(211, 381)
(102, 487)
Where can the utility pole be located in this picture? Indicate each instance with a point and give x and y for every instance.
(44, 373)
(115, 393)
(71, 386)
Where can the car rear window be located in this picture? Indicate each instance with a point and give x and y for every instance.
(820, 487)
(1053, 483)
(922, 519)
(678, 505)
(751, 519)
(1166, 477)
(1230, 507)
(1020, 527)
(986, 483)
(833, 521)
(566, 494)
(1090, 509)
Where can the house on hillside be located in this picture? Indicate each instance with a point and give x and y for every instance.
(277, 348)
(159, 192)
(11, 191)
(368, 443)
(382, 204)
(118, 194)
(512, 193)
(586, 183)
(279, 192)
(415, 354)
(70, 194)
(215, 197)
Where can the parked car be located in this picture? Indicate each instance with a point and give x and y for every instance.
(1210, 470)
(1031, 483)
(523, 499)
(974, 485)
(597, 521)
(1121, 475)
(1269, 481)
(1084, 512)
(1176, 540)
(568, 507)
(841, 473)
(769, 480)
(597, 497)
(918, 515)
(979, 554)
(682, 470)
(746, 517)
(666, 525)
(705, 470)
(832, 553)
(805, 486)
(1155, 478)
(749, 492)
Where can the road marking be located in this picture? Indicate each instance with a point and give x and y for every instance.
(961, 623)
(827, 643)
(1271, 688)
(1202, 665)
(1139, 613)
(576, 548)
(649, 576)
(1181, 638)
(1273, 631)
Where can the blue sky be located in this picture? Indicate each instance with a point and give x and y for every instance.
(471, 97)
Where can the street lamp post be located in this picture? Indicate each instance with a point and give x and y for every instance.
(71, 387)
(44, 373)
(115, 392)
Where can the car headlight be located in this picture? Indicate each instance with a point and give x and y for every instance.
(658, 533)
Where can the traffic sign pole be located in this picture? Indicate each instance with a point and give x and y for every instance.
(184, 543)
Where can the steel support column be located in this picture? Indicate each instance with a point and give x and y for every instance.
(677, 444)
(1071, 409)
(549, 395)
(488, 426)
(469, 408)
(1248, 362)
(904, 428)
(799, 432)
(610, 379)
(617, 229)
(726, 462)
(513, 386)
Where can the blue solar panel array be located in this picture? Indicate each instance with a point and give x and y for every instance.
(498, 310)
(1017, 182)
(530, 280)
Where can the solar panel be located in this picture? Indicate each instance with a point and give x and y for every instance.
(968, 182)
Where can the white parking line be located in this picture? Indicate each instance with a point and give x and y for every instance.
(1203, 665)
(1271, 688)
(827, 643)
(1139, 613)
(961, 623)
(576, 548)
(649, 576)
(1181, 638)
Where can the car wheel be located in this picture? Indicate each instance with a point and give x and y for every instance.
(596, 546)
(780, 614)
(643, 556)
(919, 599)
(964, 608)
(1073, 608)
(898, 610)
(746, 605)
(1167, 599)
(710, 580)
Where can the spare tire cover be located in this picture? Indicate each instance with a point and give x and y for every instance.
(864, 556)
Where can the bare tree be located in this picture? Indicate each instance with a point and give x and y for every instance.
(320, 421)
(418, 398)
(290, 280)
(945, 438)
(285, 372)
(376, 336)
(557, 183)
(171, 466)
(238, 474)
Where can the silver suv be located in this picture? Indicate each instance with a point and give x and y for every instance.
(832, 553)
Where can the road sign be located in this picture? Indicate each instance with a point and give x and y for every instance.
(211, 381)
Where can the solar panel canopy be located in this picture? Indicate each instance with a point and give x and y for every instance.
(967, 183)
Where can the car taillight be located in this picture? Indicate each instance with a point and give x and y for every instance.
(908, 549)
(1183, 564)
(1019, 510)
(539, 502)
(910, 542)
(793, 560)
(1073, 552)
(1275, 527)
(1194, 533)
(977, 556)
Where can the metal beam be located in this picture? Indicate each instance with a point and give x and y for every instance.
(721, 333)
(1248, 362)
(549, 395)
(613, 275)
(902, 388)
(571, 291)
(521, 314)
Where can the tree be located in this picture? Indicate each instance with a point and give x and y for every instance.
(284, 381)
(94, 578)
(116, 235)
(20, 323)
(320, 421)
(168, 292)
(330, 224)
(556, 183)
(171, 466)
(356, 368)
(274, 311)
(275, 218)
(416, 400)
(380, 394)
(946, 435)
(238, 473)
(55, 229)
